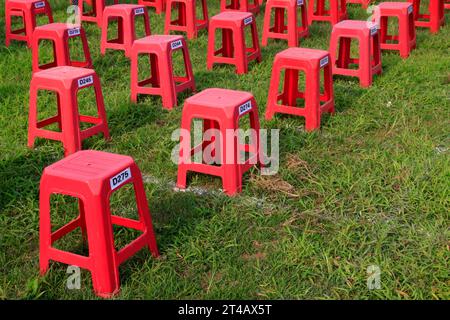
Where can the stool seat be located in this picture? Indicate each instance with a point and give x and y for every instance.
(156, 40)
(305, 54)
(89, 166)
(55, 26)
(123, 8)
(64, 73)
(231, 16)
(216, 100)
(352, 25)
(394, 5)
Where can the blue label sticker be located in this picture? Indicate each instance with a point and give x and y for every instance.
(324, 61)
(245, 108)
(139, 11)
(73, 32)
(176, 44)
(40, 4)
(86, 81)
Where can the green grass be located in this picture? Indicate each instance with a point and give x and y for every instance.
(370, 188)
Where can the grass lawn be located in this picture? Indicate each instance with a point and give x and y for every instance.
(370, 188)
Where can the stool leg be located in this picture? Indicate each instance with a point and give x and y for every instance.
(255, 41)
(134, 76)
(211, 47)
(312, 102)
(101, 107)
(290, 90)
(190, 18)
(230, 179)
(266, 26)
(32, 115)
(169, 95)
(272, 99)
(279, 24)
(82, 220)
(240, 52)
(365, 64)
(188, 67)
(185, 151)
(45, 235)
(227, 43)
(292, 28)
(71, 125)
(30, 24)
(328, 87)
(105, 276)
(344, 52)
(144, 212)
(7, 26)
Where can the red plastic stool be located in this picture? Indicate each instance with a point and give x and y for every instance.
(364, 3)
(27, 10)
(240, 5)
(406, 36)
(369, 61)
(59, 34)
(433, 19)
(278, 30)
(95, 14)
(66, 82)
(162, 81)
(187, 20)
(159, 5)
(336, 13)
(125, 15)
(311, 62)
(92, 176)
(220, 109)
(447, 4)
(233, 50)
